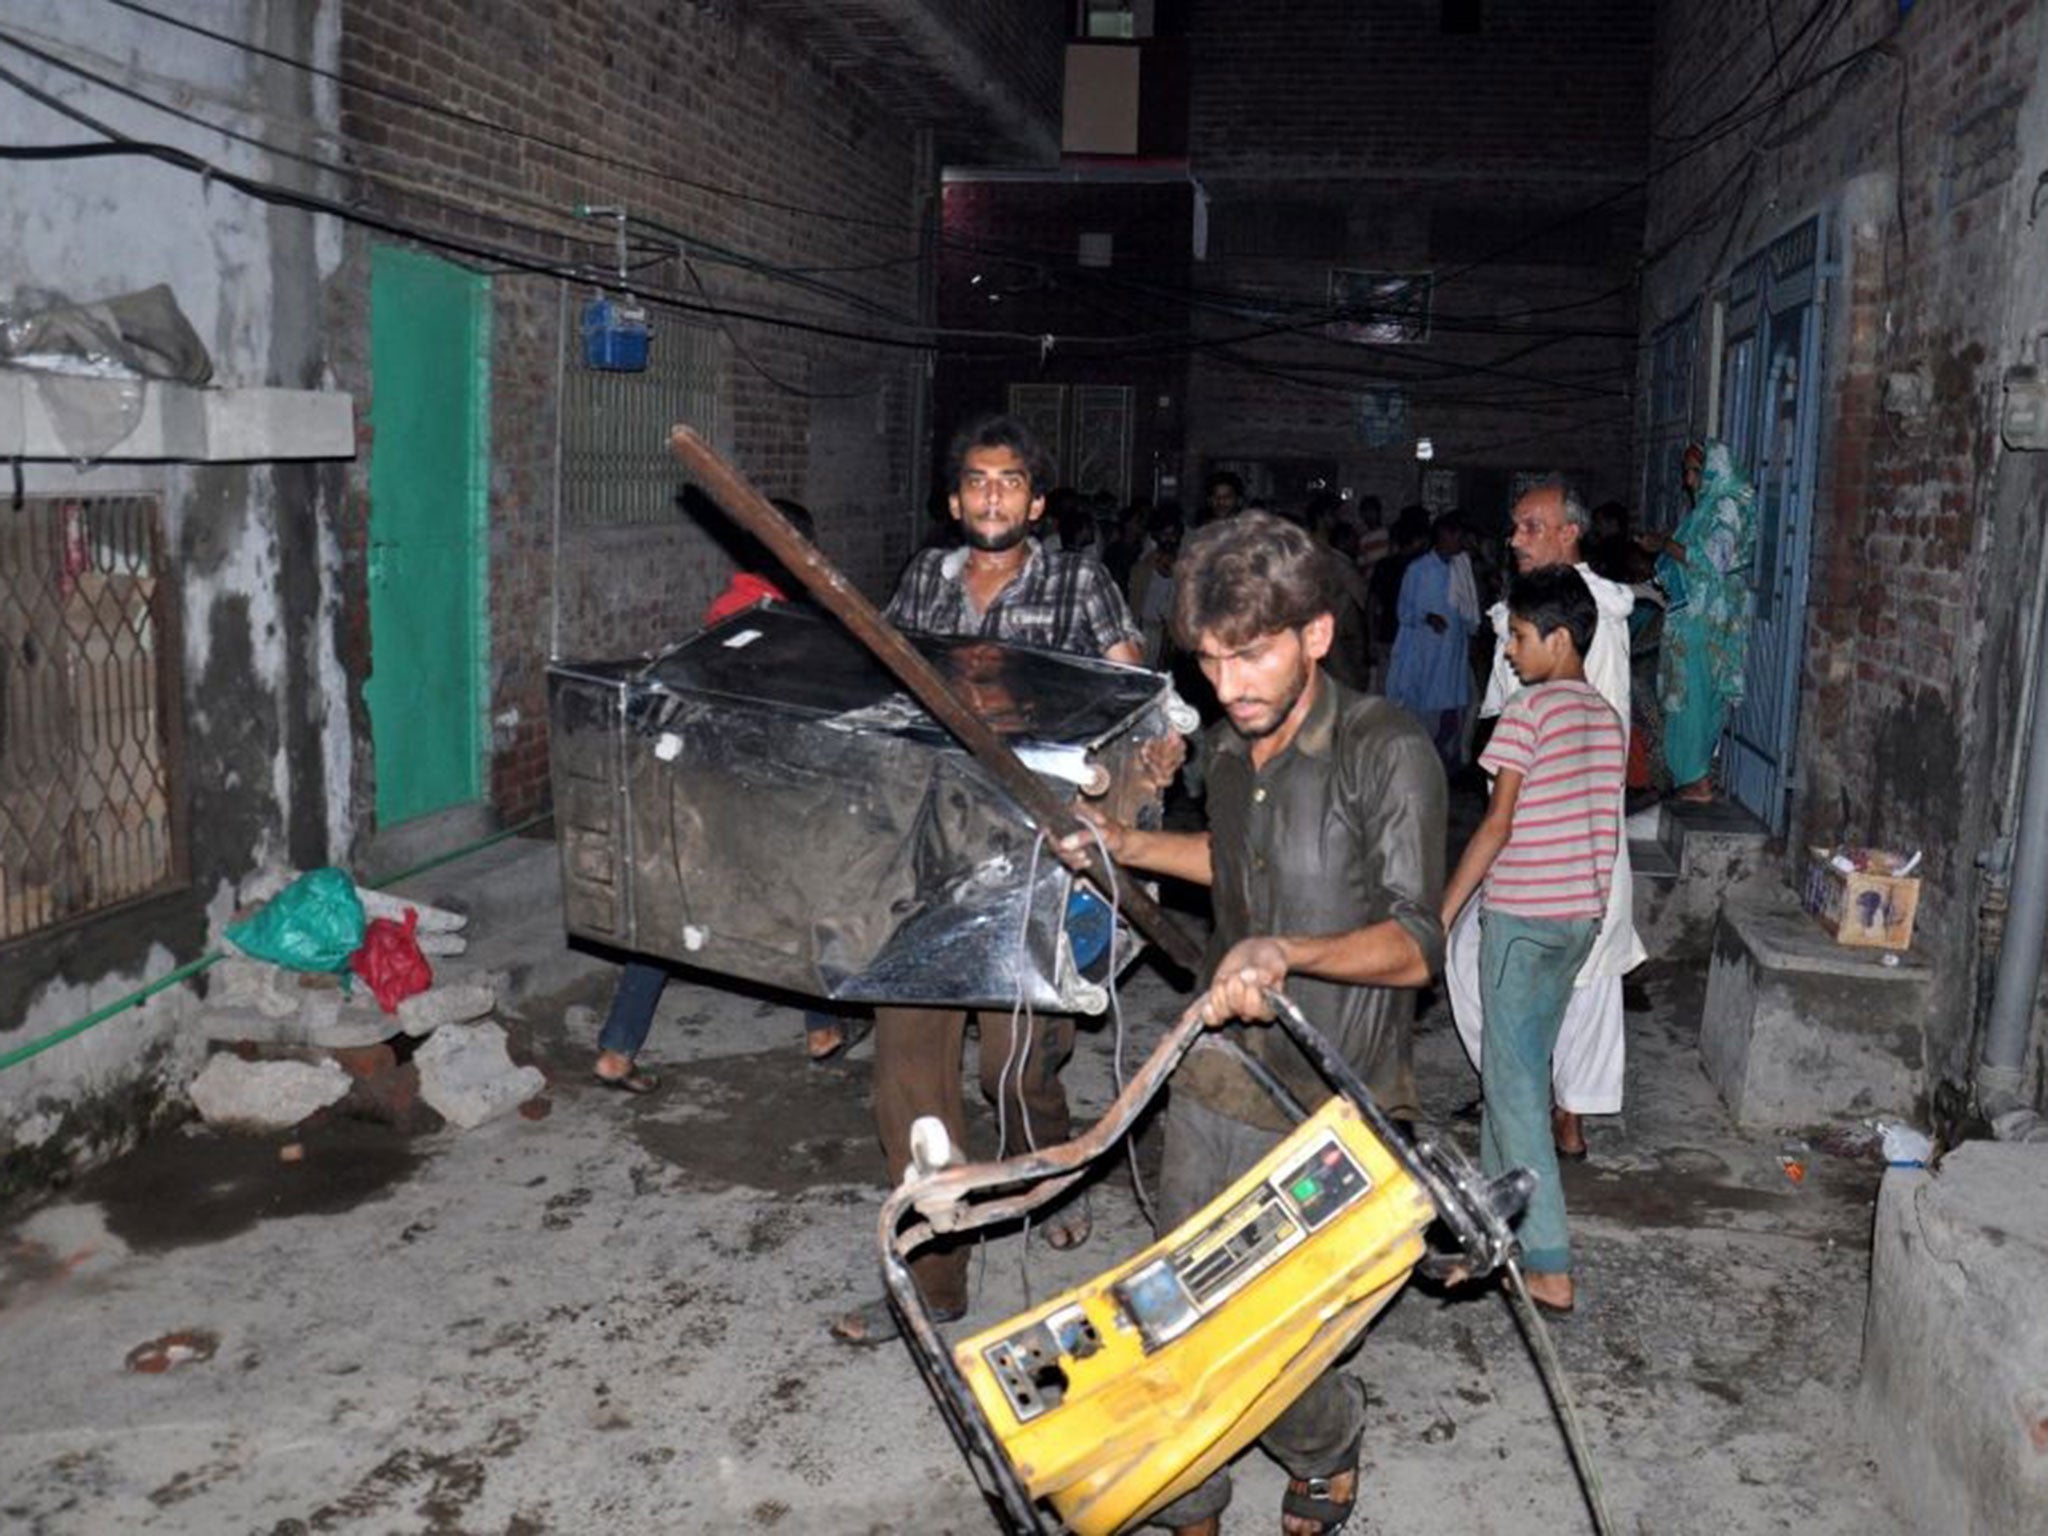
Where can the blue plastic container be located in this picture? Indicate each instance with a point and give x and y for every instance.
(615, 336)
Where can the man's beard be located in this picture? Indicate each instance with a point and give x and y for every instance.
(1278, 717)
(993, 544)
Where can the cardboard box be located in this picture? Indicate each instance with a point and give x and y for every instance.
(1863, 908)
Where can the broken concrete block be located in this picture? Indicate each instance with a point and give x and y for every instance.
(323, 1019)
(440, 943)
(432, 919)
(467, 1077)
(253, 984)
(456, 1003)
(264, 1095)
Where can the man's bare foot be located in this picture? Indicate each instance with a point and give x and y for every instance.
(1698, 792)
(1551, 1292)
(825, 1042)
(1568, 1133)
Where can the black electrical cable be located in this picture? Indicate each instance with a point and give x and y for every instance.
(513, 261)
(477, 120)
(711, 250)
(1779, 52)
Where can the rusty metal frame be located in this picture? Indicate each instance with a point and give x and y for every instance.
(64, 553)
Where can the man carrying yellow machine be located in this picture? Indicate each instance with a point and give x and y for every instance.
(1325, 858)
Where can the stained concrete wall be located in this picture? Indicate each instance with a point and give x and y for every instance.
(266, 760)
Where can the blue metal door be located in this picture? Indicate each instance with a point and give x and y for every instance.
(1771, 422)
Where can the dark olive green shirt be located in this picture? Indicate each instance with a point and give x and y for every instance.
(1342, 830)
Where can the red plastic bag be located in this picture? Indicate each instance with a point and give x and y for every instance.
(390, 961)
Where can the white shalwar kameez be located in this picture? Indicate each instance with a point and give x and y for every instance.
(1586, 1068)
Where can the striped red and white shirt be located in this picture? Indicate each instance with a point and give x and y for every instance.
(1568, 746)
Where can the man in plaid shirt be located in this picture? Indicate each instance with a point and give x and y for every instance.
(1002, 584)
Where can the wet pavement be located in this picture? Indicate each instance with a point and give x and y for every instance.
(611, 1319)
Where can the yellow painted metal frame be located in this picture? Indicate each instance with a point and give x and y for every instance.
(1135, 1431)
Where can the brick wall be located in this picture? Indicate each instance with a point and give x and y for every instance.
(712, 99)
(1547, 89)
(1331, 135)
(1008, 264)
(1922, 538)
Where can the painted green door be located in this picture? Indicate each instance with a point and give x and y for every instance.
(429, 456)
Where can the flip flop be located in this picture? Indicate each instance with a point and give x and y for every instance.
(851, 1033)
(1310, 1498)
(633, 1081)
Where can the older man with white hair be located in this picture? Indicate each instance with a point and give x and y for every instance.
(1550, 521)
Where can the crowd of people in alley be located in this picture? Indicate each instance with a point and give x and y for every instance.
(1354, 669)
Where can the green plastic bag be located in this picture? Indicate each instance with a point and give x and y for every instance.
(313, 924)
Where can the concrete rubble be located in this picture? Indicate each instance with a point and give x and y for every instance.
(454, 1003)
(280, 1025)
(234, 1094)
(467, 1077)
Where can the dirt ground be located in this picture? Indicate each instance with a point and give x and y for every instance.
(612, 1319)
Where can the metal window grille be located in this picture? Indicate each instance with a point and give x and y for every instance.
(1379, 308)
(88, 711)
(616, 465)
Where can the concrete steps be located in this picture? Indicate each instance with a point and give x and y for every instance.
(1686, 859)
(1798, 1029)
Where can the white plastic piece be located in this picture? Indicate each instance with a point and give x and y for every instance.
(931, 1148)
(1905, 1147)
(743, 638)
(1069, 765)
(668, 747)
(693, 937)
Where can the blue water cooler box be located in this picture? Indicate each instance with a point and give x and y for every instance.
(615, 336)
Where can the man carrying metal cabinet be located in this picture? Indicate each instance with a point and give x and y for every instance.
(1003, 584)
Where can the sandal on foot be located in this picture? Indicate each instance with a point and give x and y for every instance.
(851, 1033)
(1311, 1498)
(1069, 1227)
(875, 1322)
(632, 1081)
(1446, 1271)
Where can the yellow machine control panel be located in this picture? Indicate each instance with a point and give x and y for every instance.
(1175, 1291)
(1126, 1391)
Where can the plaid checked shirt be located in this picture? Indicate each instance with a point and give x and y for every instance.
(1061, 601)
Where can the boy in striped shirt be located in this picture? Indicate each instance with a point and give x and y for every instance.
(1545, 854)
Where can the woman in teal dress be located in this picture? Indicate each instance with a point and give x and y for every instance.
(1705, 569)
